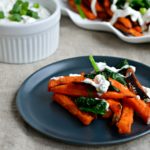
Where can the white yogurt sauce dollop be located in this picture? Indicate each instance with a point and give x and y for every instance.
(124, 12)
(102, 66)
(7, 5)
(93, 7)
(99, 82)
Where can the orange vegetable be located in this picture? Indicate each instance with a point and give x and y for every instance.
(72, 5)
(73, 89)
(131, 31)
(70, 106)
(107, 7)
(138, 28)
(108, 114)
(140, 107)
(64, 80)
(123, 89)
(125, 123)
(88, 13)
(116, 108)
(125, 21)
(115, 95)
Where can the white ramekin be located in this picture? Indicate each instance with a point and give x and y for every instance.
(31, 42)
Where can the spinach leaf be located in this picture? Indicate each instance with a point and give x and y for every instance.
(91, 105)
(137, 4)
(116, 76)
(123, 63)
(120, 3)
(108, 74)
(91, 75)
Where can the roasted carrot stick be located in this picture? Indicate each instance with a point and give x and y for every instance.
(88, 4)
(140, 107)
(103, 15)
(116, 108)
(115, 95)
(121, 87)
(73, 89)
(99, 7)
(107, 7)
(125, 21)
(64, 80)
(70, 106)
(72, 5)
(128, 31)
(138, 29)
(125, 123)
(88, 13)
(134, 84)
(108, 114)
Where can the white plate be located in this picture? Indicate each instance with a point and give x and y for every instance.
(99, 25)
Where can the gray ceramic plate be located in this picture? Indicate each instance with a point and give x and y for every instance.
(38, 110)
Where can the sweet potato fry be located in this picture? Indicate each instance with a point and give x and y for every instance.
(88, 4)
(134, 85)
(115, 95)
(138, 29)
(121, 87)
(72, 5)
(73, 89)
(70, 106)
(140, 107)
(125, 123)
(103, 15)
(64, 80)
(116, 108)
(131, 31)
(88, 13)
(125, 21)
(108, 114)
(107, 7)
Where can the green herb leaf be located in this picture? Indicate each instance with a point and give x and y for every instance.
(137, 4)
(81, 13)
(120, 3)
(36, 5)
(2, 16)
(94, 64)
(17, 7)
(122, 64)
(25, 6)
(143, 11)
(78, 2)
(116, 76)
(33, 14)
(15, 17)
(91, 105)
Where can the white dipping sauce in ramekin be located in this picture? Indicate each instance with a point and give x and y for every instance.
(7, 5)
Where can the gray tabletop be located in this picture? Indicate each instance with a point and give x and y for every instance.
(15, 134)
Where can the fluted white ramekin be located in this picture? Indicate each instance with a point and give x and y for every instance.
(31, 42)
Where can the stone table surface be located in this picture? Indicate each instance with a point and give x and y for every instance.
(15, 134)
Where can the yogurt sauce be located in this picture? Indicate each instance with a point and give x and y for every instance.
(99, 82)
(147, 91)
(126, 11)
(7, 5)
(143, 20)
(102, 66)
(93, 7)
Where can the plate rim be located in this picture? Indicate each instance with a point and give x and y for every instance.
(68, 140)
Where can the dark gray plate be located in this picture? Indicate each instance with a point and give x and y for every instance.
(38, 110)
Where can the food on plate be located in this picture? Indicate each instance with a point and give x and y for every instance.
(108, 92)
(132, 17)
(21, 12)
